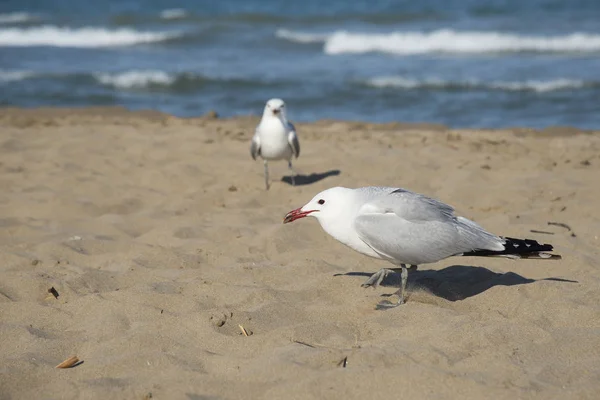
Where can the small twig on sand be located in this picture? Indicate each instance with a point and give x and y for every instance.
(343, 362)
(560, 224)
(304, 344)
(544, 232)
(322, 346)
(563, 226)
(244, 331)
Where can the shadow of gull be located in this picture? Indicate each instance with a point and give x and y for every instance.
(309, 179)
(457, 282)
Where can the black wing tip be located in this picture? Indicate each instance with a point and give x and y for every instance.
(527, 245)
(519, 248)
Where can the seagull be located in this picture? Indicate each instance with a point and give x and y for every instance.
(407, 228)
(275, 138)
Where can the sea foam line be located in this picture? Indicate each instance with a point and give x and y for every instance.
(173, 13)
(82, 37)
(12, 76)
(302, 37)
(16, 17)
(135, 79)
(443, 41)
(530, 85)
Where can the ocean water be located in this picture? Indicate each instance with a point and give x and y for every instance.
(470, 63)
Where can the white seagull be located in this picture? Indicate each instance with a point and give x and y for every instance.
(407, 228)
(275, 138)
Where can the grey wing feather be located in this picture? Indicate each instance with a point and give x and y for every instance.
(414, 229)
(409, 205)
(255, 147)
(293, 140)
(408, 242)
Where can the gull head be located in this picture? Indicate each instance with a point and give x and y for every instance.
(327, 206)
(275, 107)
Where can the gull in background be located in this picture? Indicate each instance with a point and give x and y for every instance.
(407, 228)
(275, 138)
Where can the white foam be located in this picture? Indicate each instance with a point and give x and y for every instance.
(11, 76)
(530, 85)
(394, 82)
(135, 79)
(16, 17)
(173, 13)
(540, 86)
(84, 37)
(301, 37)
(444, 41)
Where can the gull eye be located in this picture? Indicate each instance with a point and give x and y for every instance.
(321, 201)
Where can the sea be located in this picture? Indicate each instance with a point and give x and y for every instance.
(465, 64)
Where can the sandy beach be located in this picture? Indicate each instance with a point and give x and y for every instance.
(162, 244)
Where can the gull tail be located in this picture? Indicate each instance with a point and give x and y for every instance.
(519, 248)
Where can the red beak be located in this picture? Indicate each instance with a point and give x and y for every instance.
(296, 214)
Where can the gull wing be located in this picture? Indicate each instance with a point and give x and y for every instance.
(293, 139)
(410, 228)
(409, 206)
(255, 147)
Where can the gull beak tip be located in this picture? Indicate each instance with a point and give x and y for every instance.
(290, 217)
(296, 214)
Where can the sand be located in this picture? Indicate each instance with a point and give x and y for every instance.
(160, 240)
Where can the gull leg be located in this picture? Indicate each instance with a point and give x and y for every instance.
(400, 293)
(293, 173)
(404, 276)
(378, 277)
(266, 174)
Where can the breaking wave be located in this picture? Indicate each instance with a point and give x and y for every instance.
(12, 76)
(136, 79)
(171, 82)
(444, 41)
(82, 37)
(438, 84)
(17, 18)
(173, 13)
(301, 37)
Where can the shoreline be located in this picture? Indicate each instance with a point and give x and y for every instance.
(20, 117)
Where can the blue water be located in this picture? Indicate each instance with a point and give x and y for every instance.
(469, 63)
